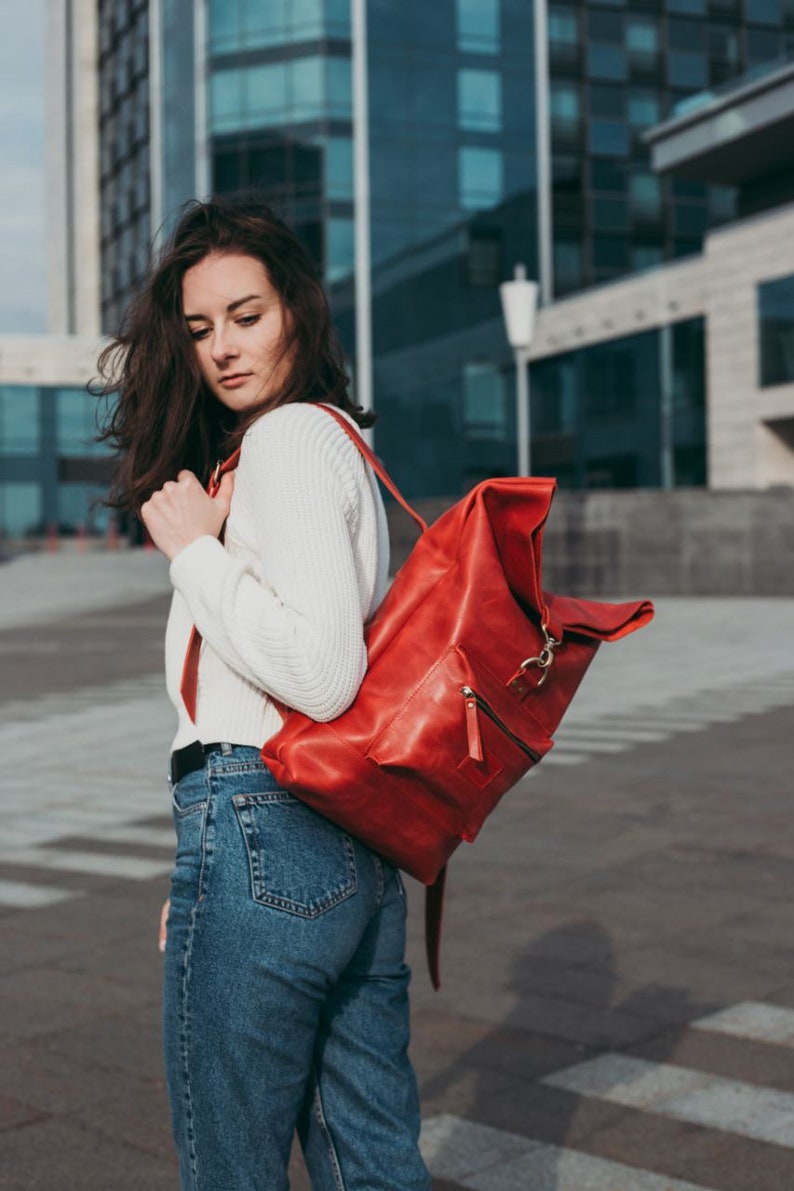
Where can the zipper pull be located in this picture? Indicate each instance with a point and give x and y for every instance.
(214, 483)
(472, 725)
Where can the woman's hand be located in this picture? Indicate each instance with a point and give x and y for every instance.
(163, 921)
(181, 511)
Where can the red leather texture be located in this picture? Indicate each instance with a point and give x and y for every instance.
(399, 769)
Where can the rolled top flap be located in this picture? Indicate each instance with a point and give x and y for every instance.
(604, 622)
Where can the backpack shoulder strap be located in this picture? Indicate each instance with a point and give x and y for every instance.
(374, 462)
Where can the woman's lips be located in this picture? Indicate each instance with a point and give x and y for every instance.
(236, 380)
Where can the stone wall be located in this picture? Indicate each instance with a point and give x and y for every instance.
(648, 543)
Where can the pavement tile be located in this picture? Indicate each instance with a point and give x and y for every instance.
(63, 1153)
(14, 1114)
(147, 1129)
(24, 1018)
(686, 1151)
(447, 1039)
(121, 1045)
(754, 1062)
(21, 948)
(541, 1113)
(54, 1083)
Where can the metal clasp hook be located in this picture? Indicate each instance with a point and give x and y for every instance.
(544, 659)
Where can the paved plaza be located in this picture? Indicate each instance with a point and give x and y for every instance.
(618, 1003)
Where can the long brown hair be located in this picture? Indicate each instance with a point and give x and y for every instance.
(165, 417)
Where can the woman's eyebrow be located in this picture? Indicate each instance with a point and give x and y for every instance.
(194, 318)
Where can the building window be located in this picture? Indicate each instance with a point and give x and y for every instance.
(763, 12)
(609, 138)
(19, 420)
(645, 191)
(644, 109)
(646, 256)
(478, 26)
(341, 249)
(610, 215)
(80, 510)
(763, 45)
(609, 380)
(484, 402)
(276, 93)
(339, 168)
(568, 272)
(607, 62)
(484, 256)
(554, 385)
(693, 8)
(642, 36)
(563, 27)
(20, 510)
(479, 177)
(608, 176)
(722, 203)
(689, 382)
(607, 100)
(685, 70)
(614, 471)
(251, 25)
(605, 26)
(75, 424)
(564, 107)
(776, 331)
(479, 100)
(686, 35)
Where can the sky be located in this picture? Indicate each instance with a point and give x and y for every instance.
(23, 224)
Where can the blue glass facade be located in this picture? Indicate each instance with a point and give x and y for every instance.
(454, 195)
(124, 153)
(51, 469)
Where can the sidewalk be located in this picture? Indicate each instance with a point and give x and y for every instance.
(636, 884)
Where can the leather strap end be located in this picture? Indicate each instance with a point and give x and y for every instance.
(434, 906)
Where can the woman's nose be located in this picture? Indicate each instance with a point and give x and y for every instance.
(222, 346)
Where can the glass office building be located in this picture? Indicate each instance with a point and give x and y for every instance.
(616, 70)
(124, 153)
(266, 102)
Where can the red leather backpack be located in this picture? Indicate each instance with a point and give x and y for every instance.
(471, 666)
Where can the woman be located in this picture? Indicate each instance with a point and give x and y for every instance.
(285, 1000)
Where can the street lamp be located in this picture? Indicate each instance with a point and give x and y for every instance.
(519, 302)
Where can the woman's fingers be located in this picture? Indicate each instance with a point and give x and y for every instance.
(163, 921)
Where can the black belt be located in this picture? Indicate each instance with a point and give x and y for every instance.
(192, 757)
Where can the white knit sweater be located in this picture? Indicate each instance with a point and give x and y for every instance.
(281, 603)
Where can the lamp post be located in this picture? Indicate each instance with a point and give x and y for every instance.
(519, 303)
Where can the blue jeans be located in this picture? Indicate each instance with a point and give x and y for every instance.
(286, 994)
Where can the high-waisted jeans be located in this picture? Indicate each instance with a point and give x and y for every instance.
(286, 994)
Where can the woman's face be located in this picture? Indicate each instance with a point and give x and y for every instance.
(236, 320)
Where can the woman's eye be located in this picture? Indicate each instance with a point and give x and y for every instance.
(200, 334)
(248, 320)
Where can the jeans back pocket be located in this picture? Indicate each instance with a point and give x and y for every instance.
(299, 862)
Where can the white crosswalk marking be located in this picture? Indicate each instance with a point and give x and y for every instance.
(484, 1159)
(480, 1158)
(695, 1097)
(752, 1020)
(134, 868)
(98, 781)
(584, 735)
(26, 896)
